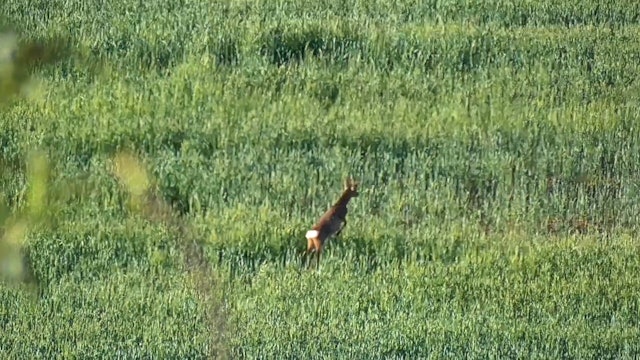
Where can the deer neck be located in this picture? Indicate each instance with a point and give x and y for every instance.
(343, 200)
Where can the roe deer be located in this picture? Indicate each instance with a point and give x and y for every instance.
(331, 223)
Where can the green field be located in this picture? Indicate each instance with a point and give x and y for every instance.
(159, 176)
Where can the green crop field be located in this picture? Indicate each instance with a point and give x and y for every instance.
(161, 161)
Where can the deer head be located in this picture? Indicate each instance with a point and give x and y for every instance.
(351, 187)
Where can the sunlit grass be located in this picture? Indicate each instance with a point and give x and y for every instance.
(160, 166)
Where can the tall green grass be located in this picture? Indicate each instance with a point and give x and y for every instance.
(188, 146)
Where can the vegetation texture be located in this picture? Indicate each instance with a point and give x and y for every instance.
(161, 161)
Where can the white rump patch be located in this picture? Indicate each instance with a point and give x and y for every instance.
(312, 234)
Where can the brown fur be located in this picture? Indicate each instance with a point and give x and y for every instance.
(332, 222)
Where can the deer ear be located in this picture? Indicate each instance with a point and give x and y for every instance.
(350, 183)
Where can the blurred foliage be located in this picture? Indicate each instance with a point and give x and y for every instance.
(19, 58)
(163, 212)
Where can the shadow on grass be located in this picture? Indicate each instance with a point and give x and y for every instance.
(283, 46)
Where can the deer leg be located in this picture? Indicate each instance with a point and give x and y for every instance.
(310, 248)
(344, 223)
(308, 257)
(318, 253)
(317, 260)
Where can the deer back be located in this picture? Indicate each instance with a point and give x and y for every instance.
(331, 222)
